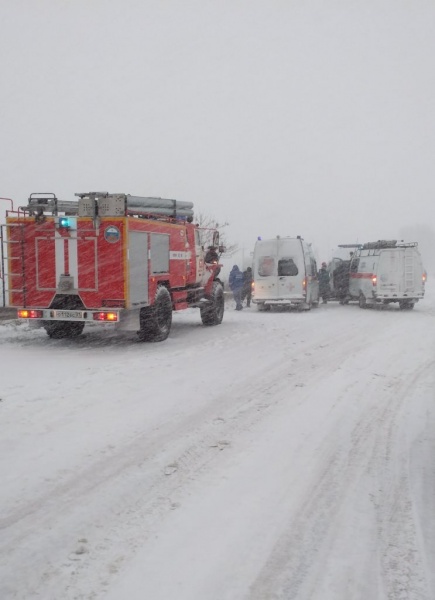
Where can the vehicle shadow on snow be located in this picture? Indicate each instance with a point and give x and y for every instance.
(94, 338)
(392, 307)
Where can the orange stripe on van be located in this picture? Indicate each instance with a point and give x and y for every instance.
(361, 275)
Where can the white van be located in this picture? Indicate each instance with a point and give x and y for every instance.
(285, 274)
(387, 271)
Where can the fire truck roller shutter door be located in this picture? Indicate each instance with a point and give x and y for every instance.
(138, 268)
(159, 253)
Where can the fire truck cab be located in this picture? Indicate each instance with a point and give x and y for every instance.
(109, 258)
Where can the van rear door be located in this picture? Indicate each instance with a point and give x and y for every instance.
(391, 272)
(291, 269)
(266, 282)
(288, 277)
(279, 270)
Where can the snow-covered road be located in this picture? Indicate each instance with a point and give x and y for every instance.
(277, 456)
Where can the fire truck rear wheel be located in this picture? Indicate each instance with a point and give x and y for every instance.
(63, 329)
(156, 320)
(213, 313)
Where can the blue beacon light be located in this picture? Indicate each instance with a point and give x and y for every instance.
(64, 222)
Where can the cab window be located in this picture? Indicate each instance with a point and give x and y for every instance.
(287, 267)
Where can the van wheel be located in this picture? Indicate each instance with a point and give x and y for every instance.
(362, 301)
(212, 313)
(406, 305)
(63, 329)
(156, 320)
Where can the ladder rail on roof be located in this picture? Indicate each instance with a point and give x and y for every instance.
(40, 204)
(409, 269)
(8, 278)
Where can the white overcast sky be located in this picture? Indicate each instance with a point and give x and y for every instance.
(280, 116)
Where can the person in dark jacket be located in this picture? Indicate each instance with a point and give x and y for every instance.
(212, 257)
(341, 280)
(236, 286)
(247, 286)
(324, 287)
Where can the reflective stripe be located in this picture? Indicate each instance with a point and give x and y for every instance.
(59, 252)
(73, 268)
(361, 275)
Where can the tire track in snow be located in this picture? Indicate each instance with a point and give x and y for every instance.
(401, 552)
(295, 569)
(190, 446)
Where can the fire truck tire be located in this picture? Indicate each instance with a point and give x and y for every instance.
(63, 329)
(156, 320)
(213, 313)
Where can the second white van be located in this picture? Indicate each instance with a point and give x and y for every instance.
(387, 271)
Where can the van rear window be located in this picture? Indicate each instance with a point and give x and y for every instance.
(287, 267)
(266, 266)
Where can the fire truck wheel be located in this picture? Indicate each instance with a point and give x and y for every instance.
(362, 301)
(63, 329)
(213, 313)
(156, 320)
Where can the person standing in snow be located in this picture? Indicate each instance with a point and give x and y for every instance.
(324, 288)
(247, 286)
(236, 286)
(340, 280)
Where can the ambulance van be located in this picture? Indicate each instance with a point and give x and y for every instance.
(387, 271)
(285, 274)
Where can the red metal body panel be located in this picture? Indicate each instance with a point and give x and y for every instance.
(31, 262)
(101, 263)
(39, 252)
(181, 272)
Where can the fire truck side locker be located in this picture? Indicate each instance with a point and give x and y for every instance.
(137, 268)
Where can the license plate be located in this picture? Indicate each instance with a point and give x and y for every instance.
(68, 314)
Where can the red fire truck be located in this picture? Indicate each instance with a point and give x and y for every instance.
(109, 258)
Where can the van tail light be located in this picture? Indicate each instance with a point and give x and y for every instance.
(374, 280)
(304, 283)
(111, 317)
(424, 277)
(30, 314)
